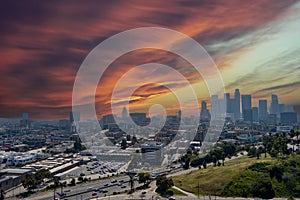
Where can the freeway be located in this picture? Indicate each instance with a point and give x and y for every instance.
(89, 190)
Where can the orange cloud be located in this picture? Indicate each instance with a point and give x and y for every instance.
(43, 45)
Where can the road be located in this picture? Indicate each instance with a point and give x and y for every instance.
(86, 190)
(91, 189)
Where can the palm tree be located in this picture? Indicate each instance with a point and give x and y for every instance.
(131, 182)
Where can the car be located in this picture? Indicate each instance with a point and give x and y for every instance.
(123, 186)
(89, 188)
(107, 185)
(113, 181)
(103, 191)
(113, 170)
(144, 192)
(94, 194)
(121, 181)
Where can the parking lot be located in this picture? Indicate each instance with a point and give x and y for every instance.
(93, 170)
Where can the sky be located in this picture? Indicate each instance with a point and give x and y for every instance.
(254, 44)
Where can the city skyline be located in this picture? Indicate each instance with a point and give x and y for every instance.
(234, 106)
(254, 45)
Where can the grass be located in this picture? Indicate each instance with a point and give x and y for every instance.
(213, 179)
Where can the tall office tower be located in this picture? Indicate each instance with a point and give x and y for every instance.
(214, 106)
(227, 100)
(24, 120)
(255, 114)
(246, 106)
(204, 114)
(179, 115)
(74, 117)
(246, 102)
(263, 110)
(248, 115)
(237, 104)
(124, 113)
(25, 116)
(222, 107)
(274, 105)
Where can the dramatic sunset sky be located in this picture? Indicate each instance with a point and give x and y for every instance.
(255, 45)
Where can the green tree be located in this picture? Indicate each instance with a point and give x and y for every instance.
(145, 178)
(204, 164)
(128, 137)
(30, 183)
(263, 188)
(163, 184)
(186, 161)
(267, 143)
(56, 182)
(257, 154)
(123, 143)
(80, 179)
(252, 152)
(214, 160)
(41, 174)
(73, 182)
(223, 157)
(134, 140)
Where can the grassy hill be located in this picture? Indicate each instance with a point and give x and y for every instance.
(213, 179)
(247, 177)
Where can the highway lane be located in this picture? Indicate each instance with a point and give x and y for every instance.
(91, 189)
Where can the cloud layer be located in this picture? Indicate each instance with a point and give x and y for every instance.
(43, 44)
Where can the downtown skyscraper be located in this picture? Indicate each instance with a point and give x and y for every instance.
(237, 104)
(263, 110)
(247, 107)
(274, 105)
